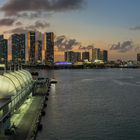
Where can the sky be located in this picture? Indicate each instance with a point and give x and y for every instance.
(113, 25)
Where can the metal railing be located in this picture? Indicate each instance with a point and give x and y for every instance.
(15, 101)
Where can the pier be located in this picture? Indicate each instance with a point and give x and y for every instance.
(22, 103)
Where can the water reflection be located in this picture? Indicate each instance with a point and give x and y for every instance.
(93, 105)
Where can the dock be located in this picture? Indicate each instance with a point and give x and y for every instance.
(26, 120)
(27, 127)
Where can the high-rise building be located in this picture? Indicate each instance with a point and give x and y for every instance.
(18, 48)
(104, 55)
(3, 50)
(15, 48)
(49, 47)
(138, 57)
(95, 54)
(23, 47)
(31, 46)
(85, 56)
(77, 56)
(1, 37)
(38, 51)
(69, 56)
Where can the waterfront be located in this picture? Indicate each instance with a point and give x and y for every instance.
(22, 102)
(93, 104)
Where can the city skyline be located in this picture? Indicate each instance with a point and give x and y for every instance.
(27, 48)
(37, 48)
(108, 24)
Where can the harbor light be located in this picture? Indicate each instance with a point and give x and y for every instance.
(98, 61)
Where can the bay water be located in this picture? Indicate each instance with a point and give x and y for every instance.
(92, 104)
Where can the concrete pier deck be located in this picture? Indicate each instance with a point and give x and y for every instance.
(25, 119)
(25, 126)
(25, 122)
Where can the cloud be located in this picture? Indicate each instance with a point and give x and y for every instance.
(41, 24)
(35, 27)
(18, 23)
(33, 15)
(123, 47)
(38, 25)
(137, 49)
(7, 21)
(16, 30)
(135, 28)
(16, 11)
(65, 44)
(13, 7)
(29, 15)
(86, 47)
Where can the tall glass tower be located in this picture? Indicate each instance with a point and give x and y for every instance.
(49, 47)
(31, 46)
(18, 48)
(3, 50)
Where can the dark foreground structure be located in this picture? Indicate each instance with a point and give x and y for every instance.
(22, 103)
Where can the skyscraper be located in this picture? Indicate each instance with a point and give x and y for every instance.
(69, 56)
(85, 56)
(1, 37)
(49, 47)
(18, 48)
(31, 46)
(138, 57)
(77, 56)
(38, 51)
(104, 55)
(95, 54)
(23, 47)
(3, 50)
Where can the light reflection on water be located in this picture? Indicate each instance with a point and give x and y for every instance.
(93, 105)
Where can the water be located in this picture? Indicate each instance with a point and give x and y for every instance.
(93, 104)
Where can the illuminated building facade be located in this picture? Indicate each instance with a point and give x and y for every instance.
(77, 56)
(31, 46)
(3, 50)
(85, 56)
(18, 48)
(69, 56)
(49, 47)
(104, 55)
(38, 51)
(138, 57)
(95, 54)
(1, 37)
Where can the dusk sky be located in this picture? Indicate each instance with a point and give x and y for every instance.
(107, 24)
